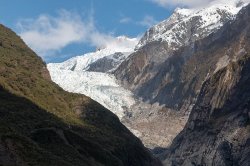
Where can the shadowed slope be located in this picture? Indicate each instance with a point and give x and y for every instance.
(43, 125)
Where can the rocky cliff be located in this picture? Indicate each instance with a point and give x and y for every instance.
(218, 129)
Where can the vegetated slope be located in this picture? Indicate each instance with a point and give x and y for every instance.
(40, 124)
(218, 129)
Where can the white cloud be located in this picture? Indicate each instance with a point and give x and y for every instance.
(125, 20)
(148, 21)
(47, 35)
(191, 3)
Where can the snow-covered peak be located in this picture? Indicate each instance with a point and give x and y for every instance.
(121, 44)
(187, 25)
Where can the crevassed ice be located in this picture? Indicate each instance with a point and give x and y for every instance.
(101, 87)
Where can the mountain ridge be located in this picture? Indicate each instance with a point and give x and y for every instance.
(175, 30)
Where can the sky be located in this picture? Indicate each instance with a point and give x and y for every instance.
(59, 29)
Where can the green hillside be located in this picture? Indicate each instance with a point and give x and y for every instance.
(40, 124)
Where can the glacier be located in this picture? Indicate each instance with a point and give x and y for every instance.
(73, 75)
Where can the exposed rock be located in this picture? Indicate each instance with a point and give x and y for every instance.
(217, 136)
(172, 76)
(107, 63)
(218, 129)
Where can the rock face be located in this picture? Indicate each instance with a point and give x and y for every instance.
(157, 70)
(107, 63)
(218, 129)
(171, 64)
(40, 124)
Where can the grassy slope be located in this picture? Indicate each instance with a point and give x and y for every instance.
(40, 124)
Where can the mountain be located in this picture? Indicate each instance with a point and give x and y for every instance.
(218, 129)
(41, 124)
(146, 73)
(154, 87)
(163, 71)
(188, 25)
